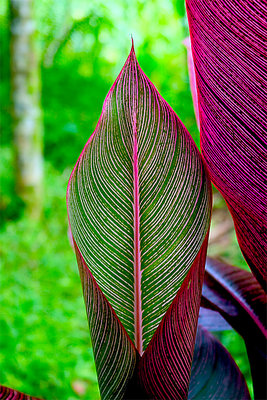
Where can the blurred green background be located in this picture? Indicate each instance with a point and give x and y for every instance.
(45, 348)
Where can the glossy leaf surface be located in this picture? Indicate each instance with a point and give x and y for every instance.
(215, 375)
(139, 207)
(239, 298)
(212, 320)
(229, 50)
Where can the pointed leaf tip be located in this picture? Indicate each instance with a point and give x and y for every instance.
(132, 48)
(131, 59)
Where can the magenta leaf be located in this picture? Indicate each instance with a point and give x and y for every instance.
(240, 300)
(11, 394)
(215, 374)
(228, 44)
(139, 203)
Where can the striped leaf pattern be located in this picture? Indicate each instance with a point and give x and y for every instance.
(164, 369)
(229, 50)
(115, 354)
(215, 375)
(139, 206)
(11, 394)
(241, 301)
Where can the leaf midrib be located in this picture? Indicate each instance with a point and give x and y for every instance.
(137, 251)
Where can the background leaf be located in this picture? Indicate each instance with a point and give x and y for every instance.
(238, 297)
(212, 320)
(215, 374)
(228, 41)
(139, 205)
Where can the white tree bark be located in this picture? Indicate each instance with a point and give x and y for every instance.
(26, 106)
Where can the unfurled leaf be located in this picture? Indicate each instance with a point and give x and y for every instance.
(238, 297)
(11, 394)
(215, 375)
(229, 49)
(139, 208)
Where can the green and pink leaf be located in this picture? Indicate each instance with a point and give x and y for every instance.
(139, 203)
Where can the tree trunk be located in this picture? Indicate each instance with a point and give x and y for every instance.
(26, 106)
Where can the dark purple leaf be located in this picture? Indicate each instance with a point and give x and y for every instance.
(238, 297)
(212, 320)
(215, 375)
(229, 50)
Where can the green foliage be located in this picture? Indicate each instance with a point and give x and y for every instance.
(73, 124)
(11, 206)
(82, 47)
(4, 80)
(44, 341)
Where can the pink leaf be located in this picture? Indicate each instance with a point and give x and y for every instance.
(229, 50)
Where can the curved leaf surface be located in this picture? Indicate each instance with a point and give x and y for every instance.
(11, 394)
(239, 298)
(139, 204)
(114, 352)
(215, 375)
(212, 320)
(229, 45)
(164, 369)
